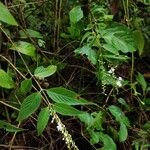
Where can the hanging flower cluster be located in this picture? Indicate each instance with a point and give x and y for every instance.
(66, 136)
(119, 80)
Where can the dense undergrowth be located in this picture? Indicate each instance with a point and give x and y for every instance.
(75, 74)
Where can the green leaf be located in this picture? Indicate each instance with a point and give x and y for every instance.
(5, 80)
(9, 127)
(30, 33)
(141, 81)
(118, 114)
(95, 138)
(24, 48)
(146, 126)
(107, 141)
(139, 38)
(123, 102)
(98, 121)
(66, 110)
(5, 15)
(110, 48)
(29, 106)
(26, 86)
(42, 121)
(76, 14)
(41, 72)
(74, 31)
(62, 95)
(87, 118)
(89, 52)
(123, 132)
(120, 37)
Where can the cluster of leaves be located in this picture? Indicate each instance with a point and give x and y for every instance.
(105, 44)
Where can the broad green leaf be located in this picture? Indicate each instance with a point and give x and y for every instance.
(86, 35)
(66, 110)
(26, 86)
(120, 37)
(141, 81)
(95, 137)
(87, 118)
(139, 38)
(5, 80)
(76, 14)
(110, 48)
(123, 132)
(9, 127)
(118, 114)
(89, 52)
(41, 72)
(65, 96)
(42, 121)
(6, 16)
(29, 106)
(74, 31)
(24, 48)
(107, 141)
(30, 33)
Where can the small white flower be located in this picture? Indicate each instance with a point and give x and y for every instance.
(118, 83)
(111, 70)
(120, 79)
(52, 121)
(59, 127)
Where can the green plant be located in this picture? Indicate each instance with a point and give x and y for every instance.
(34, 88)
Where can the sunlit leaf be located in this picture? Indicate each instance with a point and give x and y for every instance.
(123, 132)
(110, 48)
(26, 86)
(87, 118)
(42, 121)
(89, 52)
(24, 48)
(120, 37)
(108, 143)
(95, 137)
(30, 33)
(29, 106)
(9, 127)
(76, 14)
(66, 110)
(41, 72)
(118, 114)
(5, 80)
(65, 96)
(6, 16)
